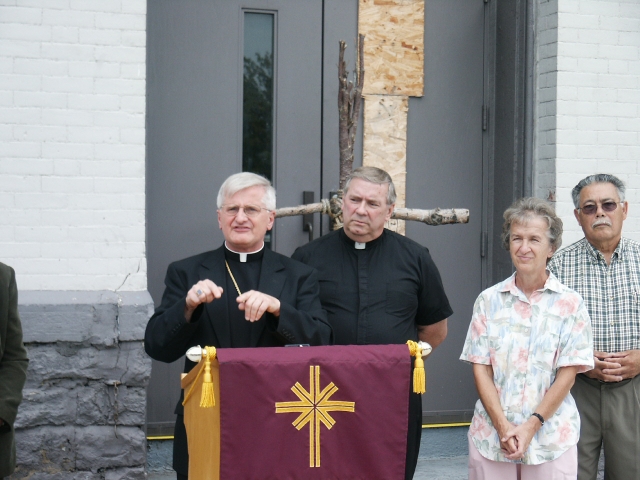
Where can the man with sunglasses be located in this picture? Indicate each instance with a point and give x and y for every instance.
(240, 295)
(604, 268)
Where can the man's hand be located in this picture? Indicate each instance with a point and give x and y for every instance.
(433, 334)
(205, 291)
(602, 368)
(628, 364)
(255, 304)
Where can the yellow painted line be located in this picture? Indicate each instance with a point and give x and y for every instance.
(431, 425)
(444, 425)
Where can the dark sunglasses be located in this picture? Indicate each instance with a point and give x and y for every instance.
(593, 208)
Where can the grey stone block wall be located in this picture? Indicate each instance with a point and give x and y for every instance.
(84, 409)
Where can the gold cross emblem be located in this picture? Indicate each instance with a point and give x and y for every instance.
(314, 407)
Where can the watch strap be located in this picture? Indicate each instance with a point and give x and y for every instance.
(539, 417)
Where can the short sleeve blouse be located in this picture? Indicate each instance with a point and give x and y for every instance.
(526, 341)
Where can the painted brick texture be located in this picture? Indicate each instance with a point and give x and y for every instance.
(72, 129)
(598, 101)
(545, 106)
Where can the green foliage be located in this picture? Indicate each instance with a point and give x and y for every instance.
(257, 128)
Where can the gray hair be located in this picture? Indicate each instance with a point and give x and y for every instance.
(240, 181)
(597, 178)
(525, 209)
(373, 175)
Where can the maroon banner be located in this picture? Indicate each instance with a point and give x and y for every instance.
(337, 412)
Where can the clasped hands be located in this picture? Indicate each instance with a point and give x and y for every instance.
(253, 303)
(615, 367)
(515, 439)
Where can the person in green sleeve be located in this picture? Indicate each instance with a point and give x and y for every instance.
(13, 367)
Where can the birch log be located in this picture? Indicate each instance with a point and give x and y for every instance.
(436, 216)
(302, 210)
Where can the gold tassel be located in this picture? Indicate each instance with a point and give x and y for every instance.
(419, 375)
(208, 400)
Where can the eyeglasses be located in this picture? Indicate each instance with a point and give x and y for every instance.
(249, 210)
(593, 207)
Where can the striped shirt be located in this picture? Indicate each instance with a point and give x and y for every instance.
(610, 292)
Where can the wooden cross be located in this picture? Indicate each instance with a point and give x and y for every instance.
(349, 102)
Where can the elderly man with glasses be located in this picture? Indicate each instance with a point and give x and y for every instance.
(240, 295)
(378, 287)
(604, 268)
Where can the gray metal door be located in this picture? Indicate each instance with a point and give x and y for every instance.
(195, 132)
(445, 168)
(194, 141)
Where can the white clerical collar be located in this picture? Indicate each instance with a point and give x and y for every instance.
(360, 246)
(243, 255)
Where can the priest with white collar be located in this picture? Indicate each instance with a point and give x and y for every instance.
(239, 295)
(378, 287)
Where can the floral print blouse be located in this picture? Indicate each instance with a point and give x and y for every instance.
(526, 341)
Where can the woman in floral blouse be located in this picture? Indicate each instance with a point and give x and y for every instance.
(529, 336)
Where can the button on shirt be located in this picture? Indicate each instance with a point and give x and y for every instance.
(526, 341)
(611, 292)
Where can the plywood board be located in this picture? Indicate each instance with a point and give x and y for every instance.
(393, 46)
(385, 142)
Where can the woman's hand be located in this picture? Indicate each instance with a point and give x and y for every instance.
(508, 447)
(483, 375)
(520, 436)
(507, 443)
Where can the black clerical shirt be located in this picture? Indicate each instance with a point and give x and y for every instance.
(246, 274)
(377, 294)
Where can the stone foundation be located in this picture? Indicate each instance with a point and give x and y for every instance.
(84, 409)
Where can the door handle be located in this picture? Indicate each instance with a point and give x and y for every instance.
(307, 218)
(308, 227)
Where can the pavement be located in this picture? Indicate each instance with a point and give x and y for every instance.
(443, 456)
(162, 476)
(451, 468)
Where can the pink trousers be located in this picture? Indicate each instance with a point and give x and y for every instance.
(565, 467)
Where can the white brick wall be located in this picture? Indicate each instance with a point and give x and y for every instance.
(72, 120)
(72, 131)
(545, 81)
(598, 102)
